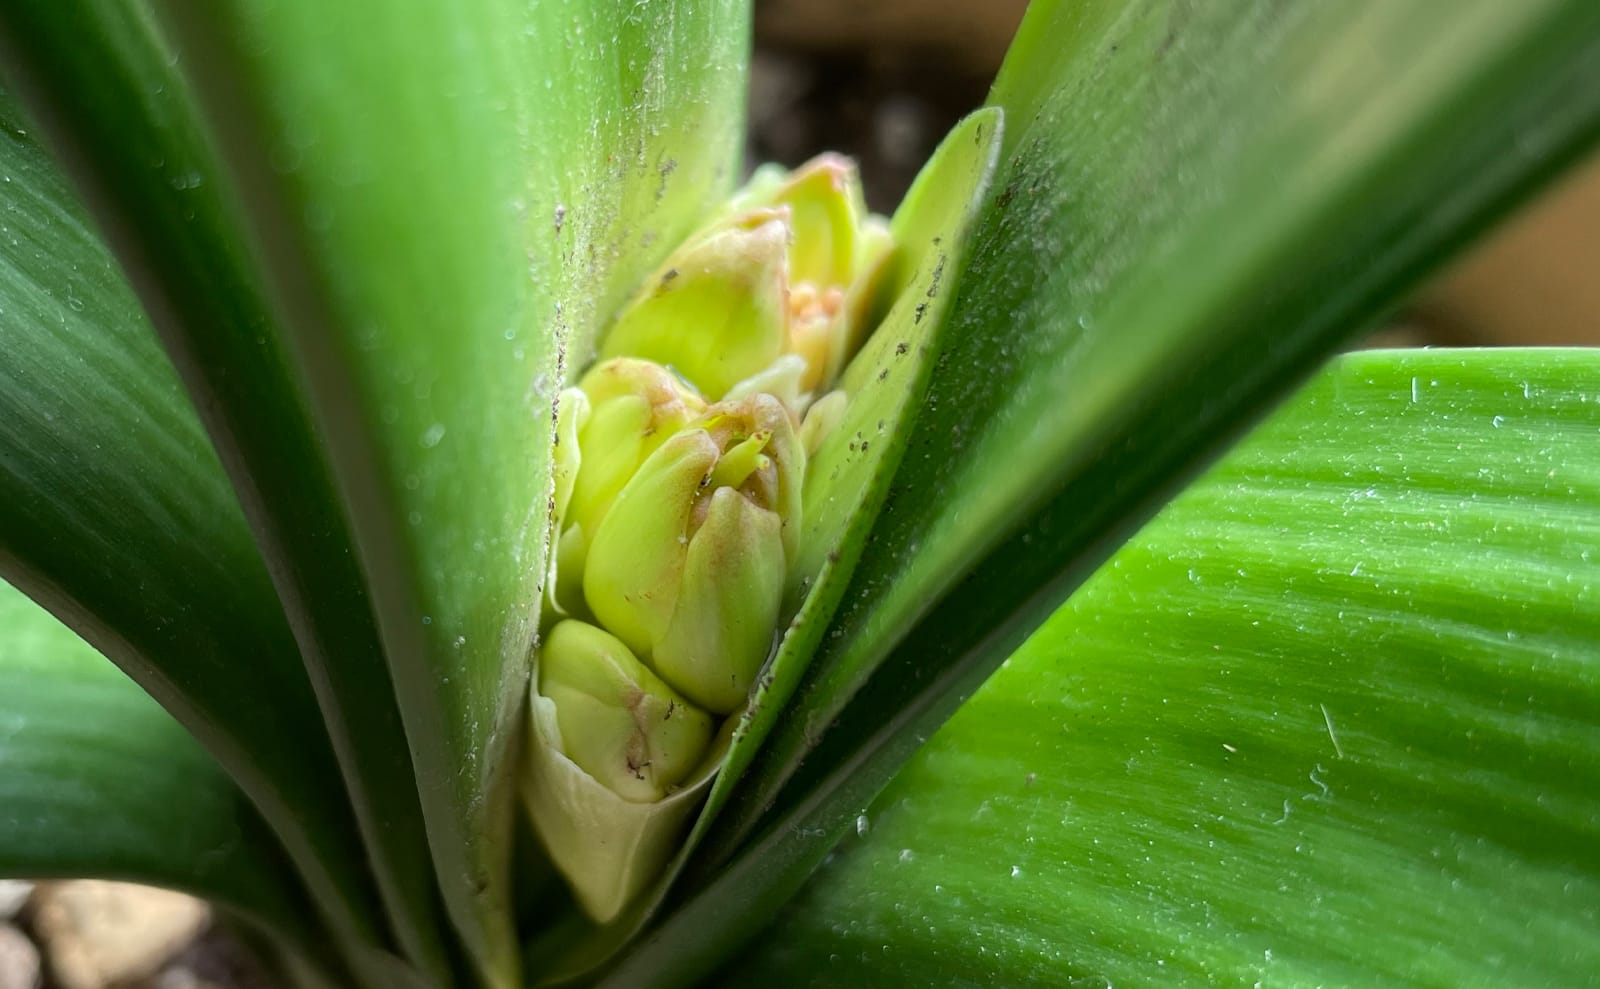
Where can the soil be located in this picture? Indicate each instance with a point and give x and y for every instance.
(886, 109)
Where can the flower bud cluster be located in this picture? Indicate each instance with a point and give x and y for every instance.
(681, 459)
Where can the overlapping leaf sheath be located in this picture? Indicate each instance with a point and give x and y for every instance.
(681, 459)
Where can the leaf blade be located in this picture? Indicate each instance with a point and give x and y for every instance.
(1331, 716)
(1091, 425)
(100, 782)
(432, 361)
(103, 81)
(1116, 407)
(849, 476)
(107, 483)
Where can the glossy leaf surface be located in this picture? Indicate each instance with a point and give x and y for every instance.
(1332, 717)
(1194, 205)
(100, 782)
(104, 84)
(115, 514)
(850, 473)
(428, 298)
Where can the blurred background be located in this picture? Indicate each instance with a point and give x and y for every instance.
(883, 80)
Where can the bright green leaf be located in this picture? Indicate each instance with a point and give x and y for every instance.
(849, 475)
(1174, 242)
(1195, 204)
(1332, 718)
(439, 212)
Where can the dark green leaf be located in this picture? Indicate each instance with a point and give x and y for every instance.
(443, 197)
(104, 83)
(100, 782)
(115, 515)
(1332, 718)
(1196, 204)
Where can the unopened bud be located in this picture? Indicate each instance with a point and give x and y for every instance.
(715, 312)
(623, 410)
(794, 268)
(688, 566)
(619, 722)
(837, 255)
(634, 407)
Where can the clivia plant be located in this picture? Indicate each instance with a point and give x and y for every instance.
(530, 554)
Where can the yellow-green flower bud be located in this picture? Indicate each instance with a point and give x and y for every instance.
(619, 722)
(622, 411)
(688, 566)
(793, 268)
(837, 256)
(634, 407)
(715, 312)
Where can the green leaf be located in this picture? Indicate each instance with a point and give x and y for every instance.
(104, 84)
(437, 220)
(848, 477)
(1195, 205)
(100, 782)
(1331, 718)
(115, 514)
